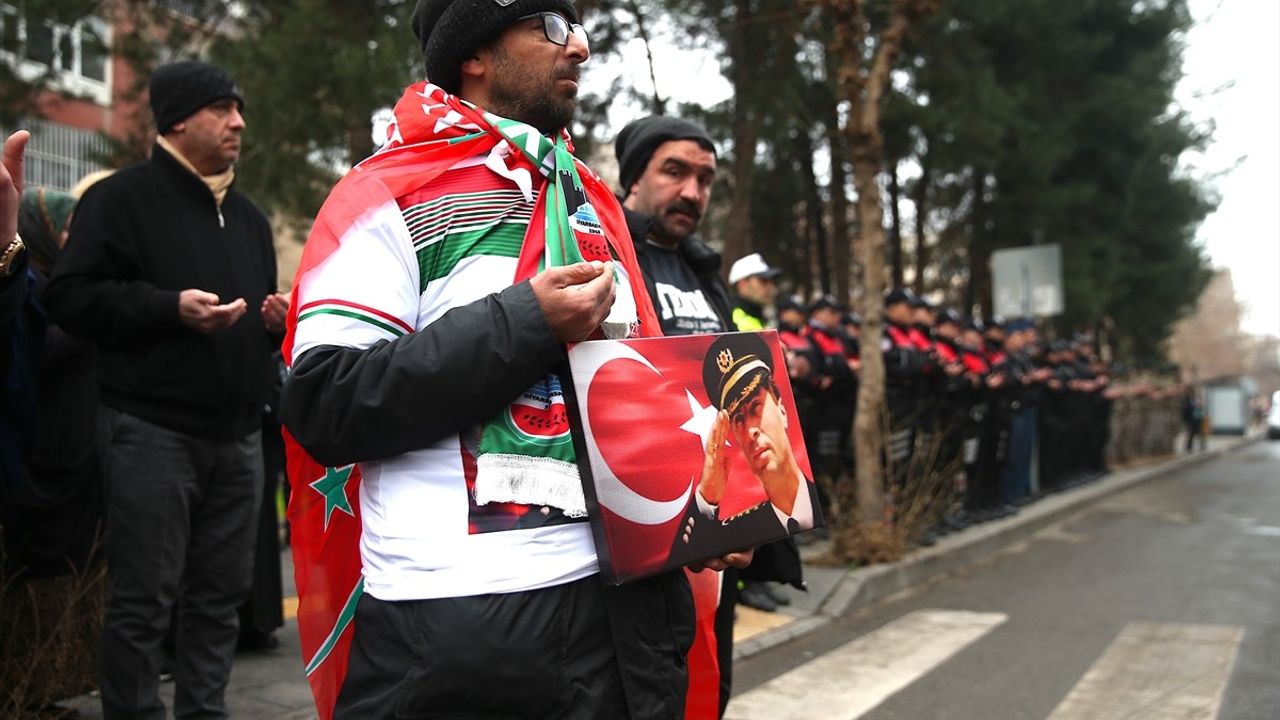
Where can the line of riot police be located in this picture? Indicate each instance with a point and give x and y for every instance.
(982, 416)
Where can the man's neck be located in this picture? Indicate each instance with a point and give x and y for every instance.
(756, 309)
(782, 493)
(185, 160)
(663, 242)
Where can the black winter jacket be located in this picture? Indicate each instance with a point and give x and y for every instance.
(138, 239)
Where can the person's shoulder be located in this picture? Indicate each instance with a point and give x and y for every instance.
(245, 204)
(695, 248)
(638, 225)
(701, 256)
(122, 180)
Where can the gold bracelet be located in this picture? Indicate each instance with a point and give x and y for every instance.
(10, 254)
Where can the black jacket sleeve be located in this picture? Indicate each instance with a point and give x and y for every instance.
(90, 294)
(13, 289)
(346, 405)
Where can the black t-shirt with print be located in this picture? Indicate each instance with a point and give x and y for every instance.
(681, 305)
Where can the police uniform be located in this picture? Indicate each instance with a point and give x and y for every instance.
(904, 368)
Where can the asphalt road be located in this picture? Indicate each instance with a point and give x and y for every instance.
(1161, 602)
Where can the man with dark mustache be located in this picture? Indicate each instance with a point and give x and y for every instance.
(666, 169)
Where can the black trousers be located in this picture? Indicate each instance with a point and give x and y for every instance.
(180, 535)
(263, 611)
(538, 654)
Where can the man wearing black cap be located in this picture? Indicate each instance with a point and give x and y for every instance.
(426, 337)
(1025, 381)
(667, 167)
(834, 419)
(904, 368)
(931, 392)
(172, 273)
(805, 365)
(852, 324)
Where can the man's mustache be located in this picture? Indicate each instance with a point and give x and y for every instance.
(685, 207)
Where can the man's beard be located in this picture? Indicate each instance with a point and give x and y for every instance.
(511, 96)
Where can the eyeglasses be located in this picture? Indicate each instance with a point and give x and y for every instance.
(557, 29)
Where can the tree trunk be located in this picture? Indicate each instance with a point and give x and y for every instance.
(737, 234)
(815, 229)
(841, 239)
(895, 229)
(864, 88)
(921, 199)
(659, 103)
(978, 291)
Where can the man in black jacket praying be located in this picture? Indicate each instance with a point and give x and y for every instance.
(172, 274)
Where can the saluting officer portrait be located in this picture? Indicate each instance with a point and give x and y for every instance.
(753, 420)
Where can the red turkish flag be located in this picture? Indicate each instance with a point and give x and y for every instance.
(645, 416)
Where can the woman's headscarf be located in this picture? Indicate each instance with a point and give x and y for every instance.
(41, 219)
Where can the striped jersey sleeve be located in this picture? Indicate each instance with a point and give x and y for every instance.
(366, 292)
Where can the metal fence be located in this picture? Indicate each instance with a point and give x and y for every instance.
(58, 155)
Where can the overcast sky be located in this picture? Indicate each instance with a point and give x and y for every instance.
(1232, 67)
(1237, 43)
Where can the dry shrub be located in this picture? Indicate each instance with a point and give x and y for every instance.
(50, 629)
(929, 490)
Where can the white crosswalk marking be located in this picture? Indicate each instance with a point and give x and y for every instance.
(847, 682)
(1152, 670)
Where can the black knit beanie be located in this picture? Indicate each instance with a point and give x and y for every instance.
(179, 90)
(639, 140)
(451, 30)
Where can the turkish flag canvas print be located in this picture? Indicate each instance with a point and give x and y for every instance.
(689, 448)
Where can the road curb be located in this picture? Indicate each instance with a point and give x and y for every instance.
(865, 586)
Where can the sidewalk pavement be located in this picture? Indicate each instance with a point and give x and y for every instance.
(270, 685)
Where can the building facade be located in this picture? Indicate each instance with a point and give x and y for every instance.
(83, 90)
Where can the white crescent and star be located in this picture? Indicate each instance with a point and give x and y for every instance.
(587, 359)
(702, 421)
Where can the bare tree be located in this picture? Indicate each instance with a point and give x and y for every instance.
(862, 83)
(737, 233)
(642, 29)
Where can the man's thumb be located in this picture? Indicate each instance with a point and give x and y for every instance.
(202, 297)
(578, 274)
(14, 148)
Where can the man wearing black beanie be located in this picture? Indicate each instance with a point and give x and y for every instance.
(667, 167)
(172, 274)
(420, 331)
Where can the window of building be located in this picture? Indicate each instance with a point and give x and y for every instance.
(66, 52)
(58, 156)
(39, 41)
(75, 57)
(10, 40)
(93, 50)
